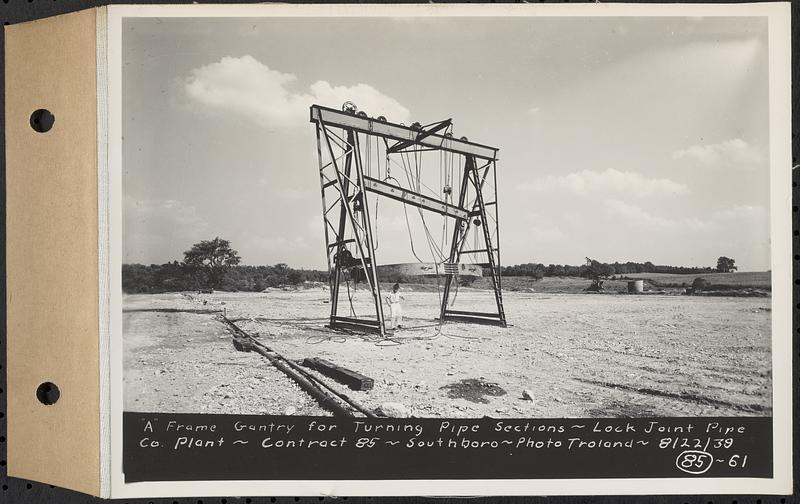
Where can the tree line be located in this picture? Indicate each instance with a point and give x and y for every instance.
(595, 269)
(175, 276)
(214, 264)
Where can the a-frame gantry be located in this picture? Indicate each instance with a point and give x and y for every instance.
(349, 231)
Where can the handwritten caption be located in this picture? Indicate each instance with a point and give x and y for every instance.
(694, 445)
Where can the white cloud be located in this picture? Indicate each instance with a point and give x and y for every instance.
(587, 182)
(534, 110)
(245, 87)
(743, 213)
(730, 153)
(539, 229)
(366, 97)
(636, 216)
(734, 218)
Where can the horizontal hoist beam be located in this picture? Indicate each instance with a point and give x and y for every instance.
(422, 269)
(339, 119)
(413, 198)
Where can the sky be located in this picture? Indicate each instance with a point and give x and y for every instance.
(621, 139)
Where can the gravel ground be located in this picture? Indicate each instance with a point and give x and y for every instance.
(574, 355)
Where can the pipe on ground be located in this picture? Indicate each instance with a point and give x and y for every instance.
(325, 400)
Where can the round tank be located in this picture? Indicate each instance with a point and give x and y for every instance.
(636, 286)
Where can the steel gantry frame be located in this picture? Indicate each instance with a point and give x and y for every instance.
(346, 210)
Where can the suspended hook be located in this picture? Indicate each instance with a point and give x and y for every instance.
(358, 203)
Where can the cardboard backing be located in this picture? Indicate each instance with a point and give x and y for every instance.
(52, 251)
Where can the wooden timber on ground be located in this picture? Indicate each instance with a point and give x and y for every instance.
(352, 379)
(475, 317)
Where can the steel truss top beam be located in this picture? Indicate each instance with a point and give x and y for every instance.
(399, 146)
(336, 118)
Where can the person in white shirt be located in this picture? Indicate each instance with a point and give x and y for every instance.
(394, 305)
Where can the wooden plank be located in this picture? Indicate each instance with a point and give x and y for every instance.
(352, 379)
(357, 321)
(354, 326)
(473, 314)
(474, 320)
(242, 345)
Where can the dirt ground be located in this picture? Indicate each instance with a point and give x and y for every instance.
(576, 355)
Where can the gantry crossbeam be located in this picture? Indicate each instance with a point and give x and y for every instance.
(413, 198)
(349, 234)
(339, 119)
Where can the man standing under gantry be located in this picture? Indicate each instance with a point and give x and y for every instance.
(347, 176)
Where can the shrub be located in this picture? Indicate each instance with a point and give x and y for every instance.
(700, 284)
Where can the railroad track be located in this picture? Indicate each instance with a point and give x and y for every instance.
(336, 402)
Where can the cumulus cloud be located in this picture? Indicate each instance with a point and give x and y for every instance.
(730, 153)
(366, 97)
(587, 182)
(248, 88)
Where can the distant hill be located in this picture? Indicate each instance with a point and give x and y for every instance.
(668, 283)
(744, 279)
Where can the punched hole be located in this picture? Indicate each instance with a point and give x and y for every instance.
(48, 393)
(42, 120)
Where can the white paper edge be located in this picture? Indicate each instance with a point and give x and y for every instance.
(104, 333)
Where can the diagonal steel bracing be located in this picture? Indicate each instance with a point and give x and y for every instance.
(349, 235)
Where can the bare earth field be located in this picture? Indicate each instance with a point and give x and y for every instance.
(578, 355)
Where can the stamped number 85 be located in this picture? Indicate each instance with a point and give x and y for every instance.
(694, 461)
